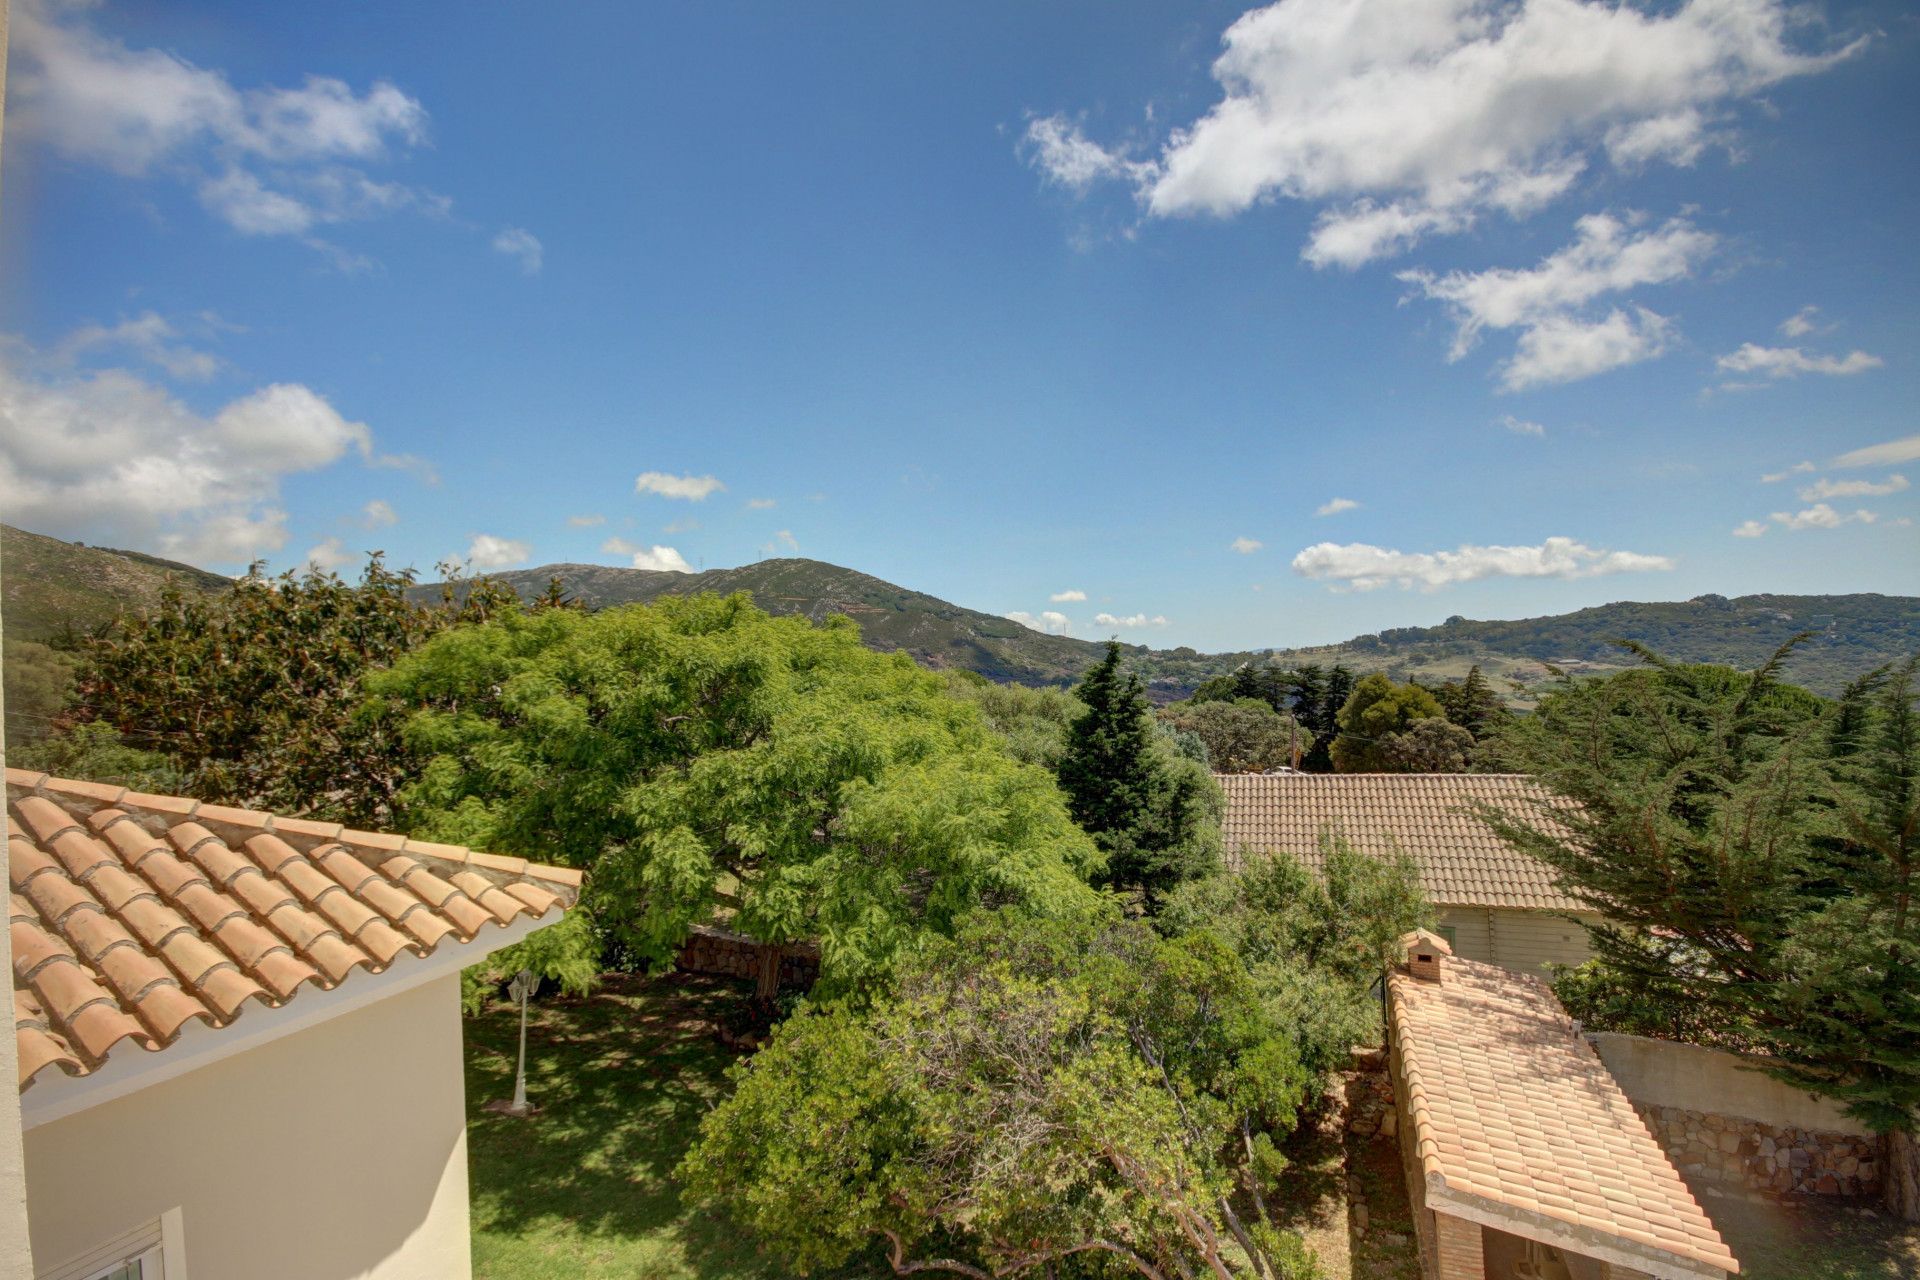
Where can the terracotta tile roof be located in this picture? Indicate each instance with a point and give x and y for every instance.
(1510, 1105)
(133, 915)
(1429, 815)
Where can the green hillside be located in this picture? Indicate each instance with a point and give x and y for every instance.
(50, 590)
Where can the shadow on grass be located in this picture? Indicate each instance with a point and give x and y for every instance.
(622, 1078)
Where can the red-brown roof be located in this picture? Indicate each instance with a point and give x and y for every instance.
(1512, 1108)
(1429, 816)
(133, 915)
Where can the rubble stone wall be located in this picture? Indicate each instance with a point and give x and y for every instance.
(734, 955)
(1762, 1157)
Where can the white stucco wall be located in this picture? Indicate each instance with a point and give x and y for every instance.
(1662, 1073)
(1520, 940)
(333, 1153)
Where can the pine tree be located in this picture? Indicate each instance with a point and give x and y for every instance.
(1155, 815)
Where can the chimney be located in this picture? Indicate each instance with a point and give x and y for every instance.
(1427, 954)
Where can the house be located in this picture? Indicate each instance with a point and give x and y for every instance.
(1525, 1160)
(238, 1035)
(1494, 903)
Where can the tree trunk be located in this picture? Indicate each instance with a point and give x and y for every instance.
(766, 985)
(1900, 1158)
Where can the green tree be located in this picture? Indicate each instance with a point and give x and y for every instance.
(1029, 1096)
(1245, 736)
(1033, 722)
(1750, 878)
(1155, 815)
(707, 761)
(255, 694)
(1472, 704)
(1375, 710)
(1314, 944)
(1432, 745)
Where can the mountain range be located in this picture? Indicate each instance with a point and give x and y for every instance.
(55, 589)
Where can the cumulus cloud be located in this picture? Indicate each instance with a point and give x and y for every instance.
(1797, 469)
(1408, 118)
(1750, 529)
(1069, 596)
(1335, 506)
(761, 504)
(1820, 516)
(1051, 621)
(1775, 363)
(656, 557)
(1245, 546)
(328, 556)
(107, 454)
(1891, 453)
(1056, 147)
(1825, 488)
(150, 336)
(1360, 566)
(1521, 426)
(266, 160)
(689, 488)
(782, 543)
(1800, 323)
(487, 552)
(1558, 342)
(378, 514)
(1131, 622)
(523, 247)
(586, 522)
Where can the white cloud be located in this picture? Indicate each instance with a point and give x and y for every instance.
(1521, 426)
(1132, 622)
(1564, 349)
(378, 514)
(266, 160)
(685, 524)
(783, 542)
(489, 552)
(329, 556)
(1413, 117)
(1335, 506)
(1362, 567)
(1797, 469)
(1891, 453)
(1544, 301)
(656, 557)
(150, 336)
(1820, 516)
(761, 504)
(1800, 323)
(1790, 362)
(1070, 596)
(691, 488)
(1058, 148)
(1750, 529)
(523, 246)
(1824, 488)
(1245, 546)
(586, 521)
(1051, 621)
(106, 454)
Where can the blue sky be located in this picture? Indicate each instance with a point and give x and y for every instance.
(1000, 302)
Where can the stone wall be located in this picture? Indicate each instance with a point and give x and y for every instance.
(1762, 1157)
(734, 955)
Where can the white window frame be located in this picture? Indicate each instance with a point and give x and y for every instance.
(159, 1245)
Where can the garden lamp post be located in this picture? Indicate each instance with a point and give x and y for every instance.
(519, 989)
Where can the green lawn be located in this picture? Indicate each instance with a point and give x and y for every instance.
(585, 1188)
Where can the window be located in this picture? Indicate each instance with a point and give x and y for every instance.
(1446, 933)
(154, 1250)
(146, 1266)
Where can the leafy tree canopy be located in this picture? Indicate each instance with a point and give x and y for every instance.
(706, 760)
(1243, 736)
(1376, 710)
(1030, 1097)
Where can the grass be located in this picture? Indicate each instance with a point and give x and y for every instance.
(1812, 1241)
(586, 1187)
